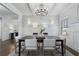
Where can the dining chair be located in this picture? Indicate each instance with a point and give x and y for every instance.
(35, 33)
(30, 45)
(45, 33)
(49, 45)
(58, 46)
(17, 44)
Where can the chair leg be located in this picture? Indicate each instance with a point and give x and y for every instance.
(27, 52)
(36, 52)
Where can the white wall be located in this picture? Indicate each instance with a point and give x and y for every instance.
(52, 29)
(73, 27)
(7, 21)
(0, 28)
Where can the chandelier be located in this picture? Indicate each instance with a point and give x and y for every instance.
(41, 11)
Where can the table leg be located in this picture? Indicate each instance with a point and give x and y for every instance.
(62, 48)
(19, 53)
(40, 47)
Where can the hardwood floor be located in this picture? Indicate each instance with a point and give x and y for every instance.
(7, 47)
(0, 46)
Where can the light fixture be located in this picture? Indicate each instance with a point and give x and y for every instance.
(64, 32)
(11, 27)
(29, 22)
(35, 25)
(42, 11)
(64, 29)
(52, 22)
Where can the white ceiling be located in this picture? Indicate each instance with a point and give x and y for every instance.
(23, 8)
(4, 11)
(29, 8)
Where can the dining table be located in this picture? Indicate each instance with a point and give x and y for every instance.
(40, 38)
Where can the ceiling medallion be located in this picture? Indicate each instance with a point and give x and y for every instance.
(41, 11)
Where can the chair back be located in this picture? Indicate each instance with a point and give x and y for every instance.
(31, 43)
(45, 33)
(49, 43)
